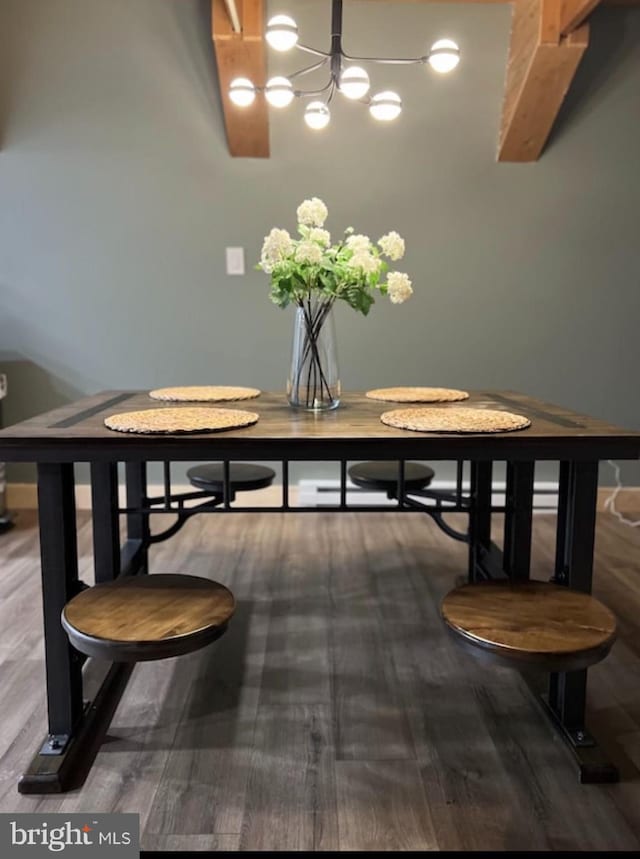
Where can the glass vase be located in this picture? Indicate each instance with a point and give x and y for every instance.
(314, 379)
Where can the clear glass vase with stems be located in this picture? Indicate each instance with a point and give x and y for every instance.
(314, 378)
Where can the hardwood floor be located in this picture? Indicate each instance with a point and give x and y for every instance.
(336, 713)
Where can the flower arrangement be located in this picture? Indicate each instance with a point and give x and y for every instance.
(313, 274)
(351, 270)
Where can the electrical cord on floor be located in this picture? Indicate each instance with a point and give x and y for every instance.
(610, 503)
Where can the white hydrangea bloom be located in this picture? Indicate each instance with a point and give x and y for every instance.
(323, 237)
(277, 246)
(308, 251)
(392, 245)
(266, 264)
(312, 213)
(399, 287)
(358, 243)
(365, 262)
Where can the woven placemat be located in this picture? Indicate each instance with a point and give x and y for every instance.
(417, 395)
(204, 394)
(454, 419)
(180, 420)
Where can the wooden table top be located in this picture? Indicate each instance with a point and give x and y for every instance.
(76, 433)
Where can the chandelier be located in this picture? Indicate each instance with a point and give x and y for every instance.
(345, 75)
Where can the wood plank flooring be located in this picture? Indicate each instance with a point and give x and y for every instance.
(336, 713)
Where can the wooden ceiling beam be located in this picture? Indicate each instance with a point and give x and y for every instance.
(540, 68)
(574, 13)
(242, 55)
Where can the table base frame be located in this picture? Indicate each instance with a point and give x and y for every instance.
(77, 728)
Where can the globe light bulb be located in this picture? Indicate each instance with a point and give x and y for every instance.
(279, 92)
(281, 32)
(317, 115)
(385, 106)
(444, 56)
(354, 82)
(242, 92)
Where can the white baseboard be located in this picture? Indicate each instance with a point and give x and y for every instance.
(326, 492)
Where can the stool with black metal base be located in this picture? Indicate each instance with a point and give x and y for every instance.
(384, 476)
(140, 618)
(532, 623)
(243, 477)
(209, 480)
(538, 625)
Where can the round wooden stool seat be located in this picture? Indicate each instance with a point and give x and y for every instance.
(383, 475)
(537, 623)
(243, 476)
(137, 618)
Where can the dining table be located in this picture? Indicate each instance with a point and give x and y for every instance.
(76, 433)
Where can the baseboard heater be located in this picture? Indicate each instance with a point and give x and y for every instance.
(325, 492)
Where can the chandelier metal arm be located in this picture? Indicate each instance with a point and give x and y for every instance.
(400, 61)
(310, 50)
(310, 68)
(306, 93)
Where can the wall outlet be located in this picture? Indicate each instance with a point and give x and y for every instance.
(235, 260)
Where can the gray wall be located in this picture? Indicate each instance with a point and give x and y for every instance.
(118, 197)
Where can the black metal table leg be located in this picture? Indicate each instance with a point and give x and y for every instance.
(564, 491)
(138, 529)
(459, 481)
(75, 732)
(59, 560)
(518, 520)
(479, 514)
(574, 567)
(104, 510)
